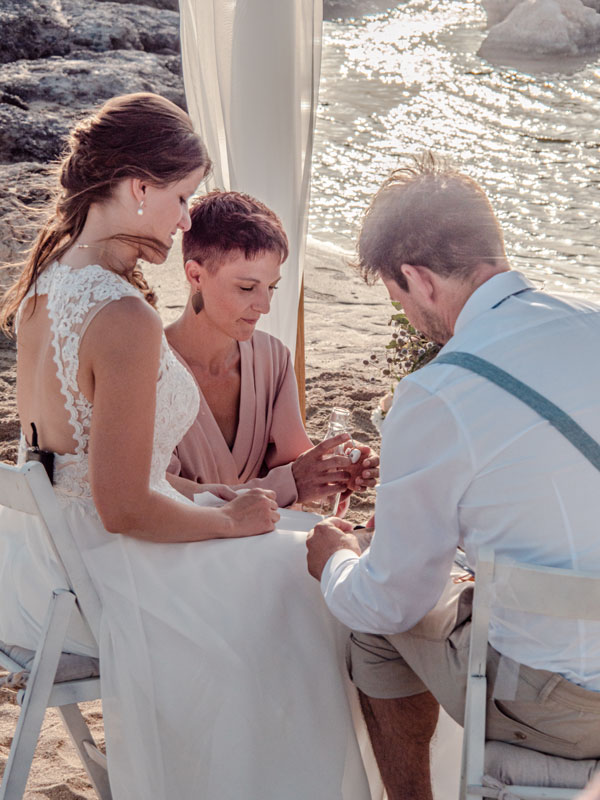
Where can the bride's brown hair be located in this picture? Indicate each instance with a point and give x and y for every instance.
(133, 136)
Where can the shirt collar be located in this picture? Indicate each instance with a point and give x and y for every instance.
(490, 294)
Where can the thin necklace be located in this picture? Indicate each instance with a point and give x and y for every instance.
(104, 253)
(103, 266)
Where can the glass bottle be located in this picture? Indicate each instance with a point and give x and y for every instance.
(338, 423)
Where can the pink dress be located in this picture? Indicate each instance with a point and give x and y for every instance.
(270, 433)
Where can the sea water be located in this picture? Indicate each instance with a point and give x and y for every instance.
(396, 81)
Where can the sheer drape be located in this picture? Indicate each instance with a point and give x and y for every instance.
(251, 72)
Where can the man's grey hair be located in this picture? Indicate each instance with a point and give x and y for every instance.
(428, 214)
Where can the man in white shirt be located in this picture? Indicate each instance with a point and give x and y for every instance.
(464, 462)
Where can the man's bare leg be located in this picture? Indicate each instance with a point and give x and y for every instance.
(401, 731)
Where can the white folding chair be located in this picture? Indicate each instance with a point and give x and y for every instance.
(559, 593)
(47, 675)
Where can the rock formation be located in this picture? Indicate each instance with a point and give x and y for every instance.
(61, 59)
(542, 27)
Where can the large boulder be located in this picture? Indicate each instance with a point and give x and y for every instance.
(32, 29)
(89, 78)
(113, 26)
(543, 28)
(497, 10)
(25, 192)
(32, 135)
(42, 99)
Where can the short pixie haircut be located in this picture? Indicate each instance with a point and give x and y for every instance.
(224, 222)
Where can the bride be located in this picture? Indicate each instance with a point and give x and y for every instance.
(219, 662)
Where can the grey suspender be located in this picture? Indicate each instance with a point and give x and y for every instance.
(544, 407)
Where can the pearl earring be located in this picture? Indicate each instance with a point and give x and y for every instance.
(140, 210)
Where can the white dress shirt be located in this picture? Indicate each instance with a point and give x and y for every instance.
(464, 462)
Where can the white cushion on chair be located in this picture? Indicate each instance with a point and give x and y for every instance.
(513, 766)
(71, 667)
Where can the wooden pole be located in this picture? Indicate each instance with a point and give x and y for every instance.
(299, 361)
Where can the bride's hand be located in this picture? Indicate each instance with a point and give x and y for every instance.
(318, 474)
(252, 512)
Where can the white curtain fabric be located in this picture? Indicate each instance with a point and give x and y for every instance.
(251, 71)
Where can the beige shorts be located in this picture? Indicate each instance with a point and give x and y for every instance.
(544, 711)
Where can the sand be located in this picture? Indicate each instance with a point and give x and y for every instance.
(345, 322)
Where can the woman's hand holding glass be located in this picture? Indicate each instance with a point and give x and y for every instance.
(320, 472)
(364, 474)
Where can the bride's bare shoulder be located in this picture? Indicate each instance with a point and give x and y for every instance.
(128, 321)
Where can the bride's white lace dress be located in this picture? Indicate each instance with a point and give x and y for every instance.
(221, 668)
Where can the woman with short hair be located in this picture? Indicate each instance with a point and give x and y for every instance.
(249, 429)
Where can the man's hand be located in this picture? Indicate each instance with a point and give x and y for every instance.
(325, 538)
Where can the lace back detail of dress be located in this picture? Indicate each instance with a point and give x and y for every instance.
(74, 296)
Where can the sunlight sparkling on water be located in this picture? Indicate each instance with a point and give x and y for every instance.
(401, 81)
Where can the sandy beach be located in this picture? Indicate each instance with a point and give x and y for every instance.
(410, 78)
(345, 321)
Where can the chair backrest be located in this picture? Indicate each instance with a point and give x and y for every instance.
(562, 593)
(28, 490)
(550, 591)
(505, 583)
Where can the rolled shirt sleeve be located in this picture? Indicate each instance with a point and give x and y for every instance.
(426, 466)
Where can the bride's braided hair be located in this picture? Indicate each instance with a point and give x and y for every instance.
(138, 135)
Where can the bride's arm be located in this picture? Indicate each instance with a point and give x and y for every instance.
(120, 354)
